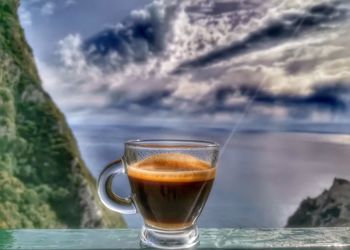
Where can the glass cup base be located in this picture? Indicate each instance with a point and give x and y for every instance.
(179, 239)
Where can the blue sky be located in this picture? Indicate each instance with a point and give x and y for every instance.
(47, 22)
(203, 62)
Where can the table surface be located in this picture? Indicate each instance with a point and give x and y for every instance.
(308, 238)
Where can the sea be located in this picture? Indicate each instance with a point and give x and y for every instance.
(262, 176)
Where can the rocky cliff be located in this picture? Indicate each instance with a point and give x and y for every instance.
(43, 181)
(331, 208)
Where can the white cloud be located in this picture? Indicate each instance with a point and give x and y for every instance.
(68, 90)
(189, 91)
(25, 17)
(48, 9)
(295, 67)
(69, 51)
(69, 3)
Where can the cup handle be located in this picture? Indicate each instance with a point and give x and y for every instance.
(110, 199)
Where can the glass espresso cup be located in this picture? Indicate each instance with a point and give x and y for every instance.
(170, 183)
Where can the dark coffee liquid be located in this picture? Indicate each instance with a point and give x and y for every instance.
(170, 190)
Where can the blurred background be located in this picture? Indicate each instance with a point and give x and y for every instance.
(268, 80)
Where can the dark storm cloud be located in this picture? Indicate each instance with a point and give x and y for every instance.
(322, 97)
(222, 7)
(152, 99)
(326, 97)
(289, 25)
(223, 92)
(141, 34)
(301, 66)
(148, 100)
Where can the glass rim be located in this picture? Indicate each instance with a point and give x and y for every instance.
(171, 144)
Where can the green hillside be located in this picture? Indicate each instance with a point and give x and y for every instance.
(43, 181)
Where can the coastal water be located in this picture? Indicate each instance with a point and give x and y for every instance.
(262, 177)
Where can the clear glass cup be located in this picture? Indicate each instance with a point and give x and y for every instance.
(170, 182)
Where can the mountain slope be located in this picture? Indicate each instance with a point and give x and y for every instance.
(331, 208)
(43, 181)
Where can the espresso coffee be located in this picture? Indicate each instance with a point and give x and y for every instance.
(170, 190)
